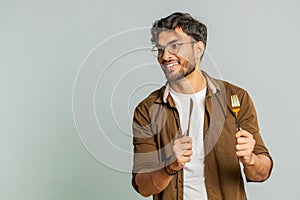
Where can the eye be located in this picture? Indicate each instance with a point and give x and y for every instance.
(174, 46)
(160, 50)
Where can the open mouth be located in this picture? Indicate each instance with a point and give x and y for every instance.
(171, 65)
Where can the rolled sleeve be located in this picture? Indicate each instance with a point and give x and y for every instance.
(249, 122)
(145, 148)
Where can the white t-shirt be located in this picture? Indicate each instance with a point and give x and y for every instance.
(194, 180)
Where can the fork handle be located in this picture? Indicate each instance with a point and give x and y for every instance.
(238, 126)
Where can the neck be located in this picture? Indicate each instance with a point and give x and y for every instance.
(193, 83)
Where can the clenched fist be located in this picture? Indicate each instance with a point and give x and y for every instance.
(182, 150)
(244, 147)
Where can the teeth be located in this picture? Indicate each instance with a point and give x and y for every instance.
(172, 64)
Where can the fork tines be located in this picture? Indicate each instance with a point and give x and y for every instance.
(235, 104)
(235, 101)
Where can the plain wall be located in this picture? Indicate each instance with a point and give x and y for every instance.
(71, 140)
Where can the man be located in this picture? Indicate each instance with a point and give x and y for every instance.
(188, 139)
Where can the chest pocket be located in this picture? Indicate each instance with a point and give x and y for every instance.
(227, 140)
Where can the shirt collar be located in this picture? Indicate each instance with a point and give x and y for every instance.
(212, 86)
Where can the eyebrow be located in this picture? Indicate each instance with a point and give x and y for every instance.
(172, 41)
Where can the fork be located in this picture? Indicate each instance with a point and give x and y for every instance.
(235, 104)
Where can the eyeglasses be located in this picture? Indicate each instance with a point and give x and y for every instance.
(173, 48)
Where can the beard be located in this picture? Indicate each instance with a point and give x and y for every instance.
(186, 68)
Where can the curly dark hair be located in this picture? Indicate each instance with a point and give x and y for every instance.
(185, 21)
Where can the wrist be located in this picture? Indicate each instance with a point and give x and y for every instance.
(168, 169)
(250, 161)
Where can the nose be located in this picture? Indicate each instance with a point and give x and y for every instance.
(166, 54)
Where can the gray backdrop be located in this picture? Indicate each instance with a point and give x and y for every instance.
(73, 71)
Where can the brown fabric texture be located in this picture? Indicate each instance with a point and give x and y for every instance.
(156, 124)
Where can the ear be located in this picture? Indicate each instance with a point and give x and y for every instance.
(200, 46)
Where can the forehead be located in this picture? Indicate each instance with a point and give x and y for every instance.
(167, 36)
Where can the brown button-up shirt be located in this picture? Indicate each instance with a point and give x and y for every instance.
(156, 124)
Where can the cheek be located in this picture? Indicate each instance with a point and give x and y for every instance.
(187, 62)
(189, 57)
(183, 57)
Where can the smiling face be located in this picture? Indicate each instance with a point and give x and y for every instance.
(184, 62)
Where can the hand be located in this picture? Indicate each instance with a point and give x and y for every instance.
(182, 150)
(244, 147)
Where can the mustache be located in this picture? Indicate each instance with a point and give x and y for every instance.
(171, 60)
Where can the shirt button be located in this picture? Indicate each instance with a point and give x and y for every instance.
(180, 182)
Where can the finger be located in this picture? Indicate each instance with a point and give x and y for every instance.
(178, 149)
(180, 162)
(188, 153)
(184, 160)
(182, 153)
(182, 146)
(185, 139)
(245, 140)
(245, 151)
(243, 133)
(242, 140)
(244, 147)
(244, 154)
(186, 147)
